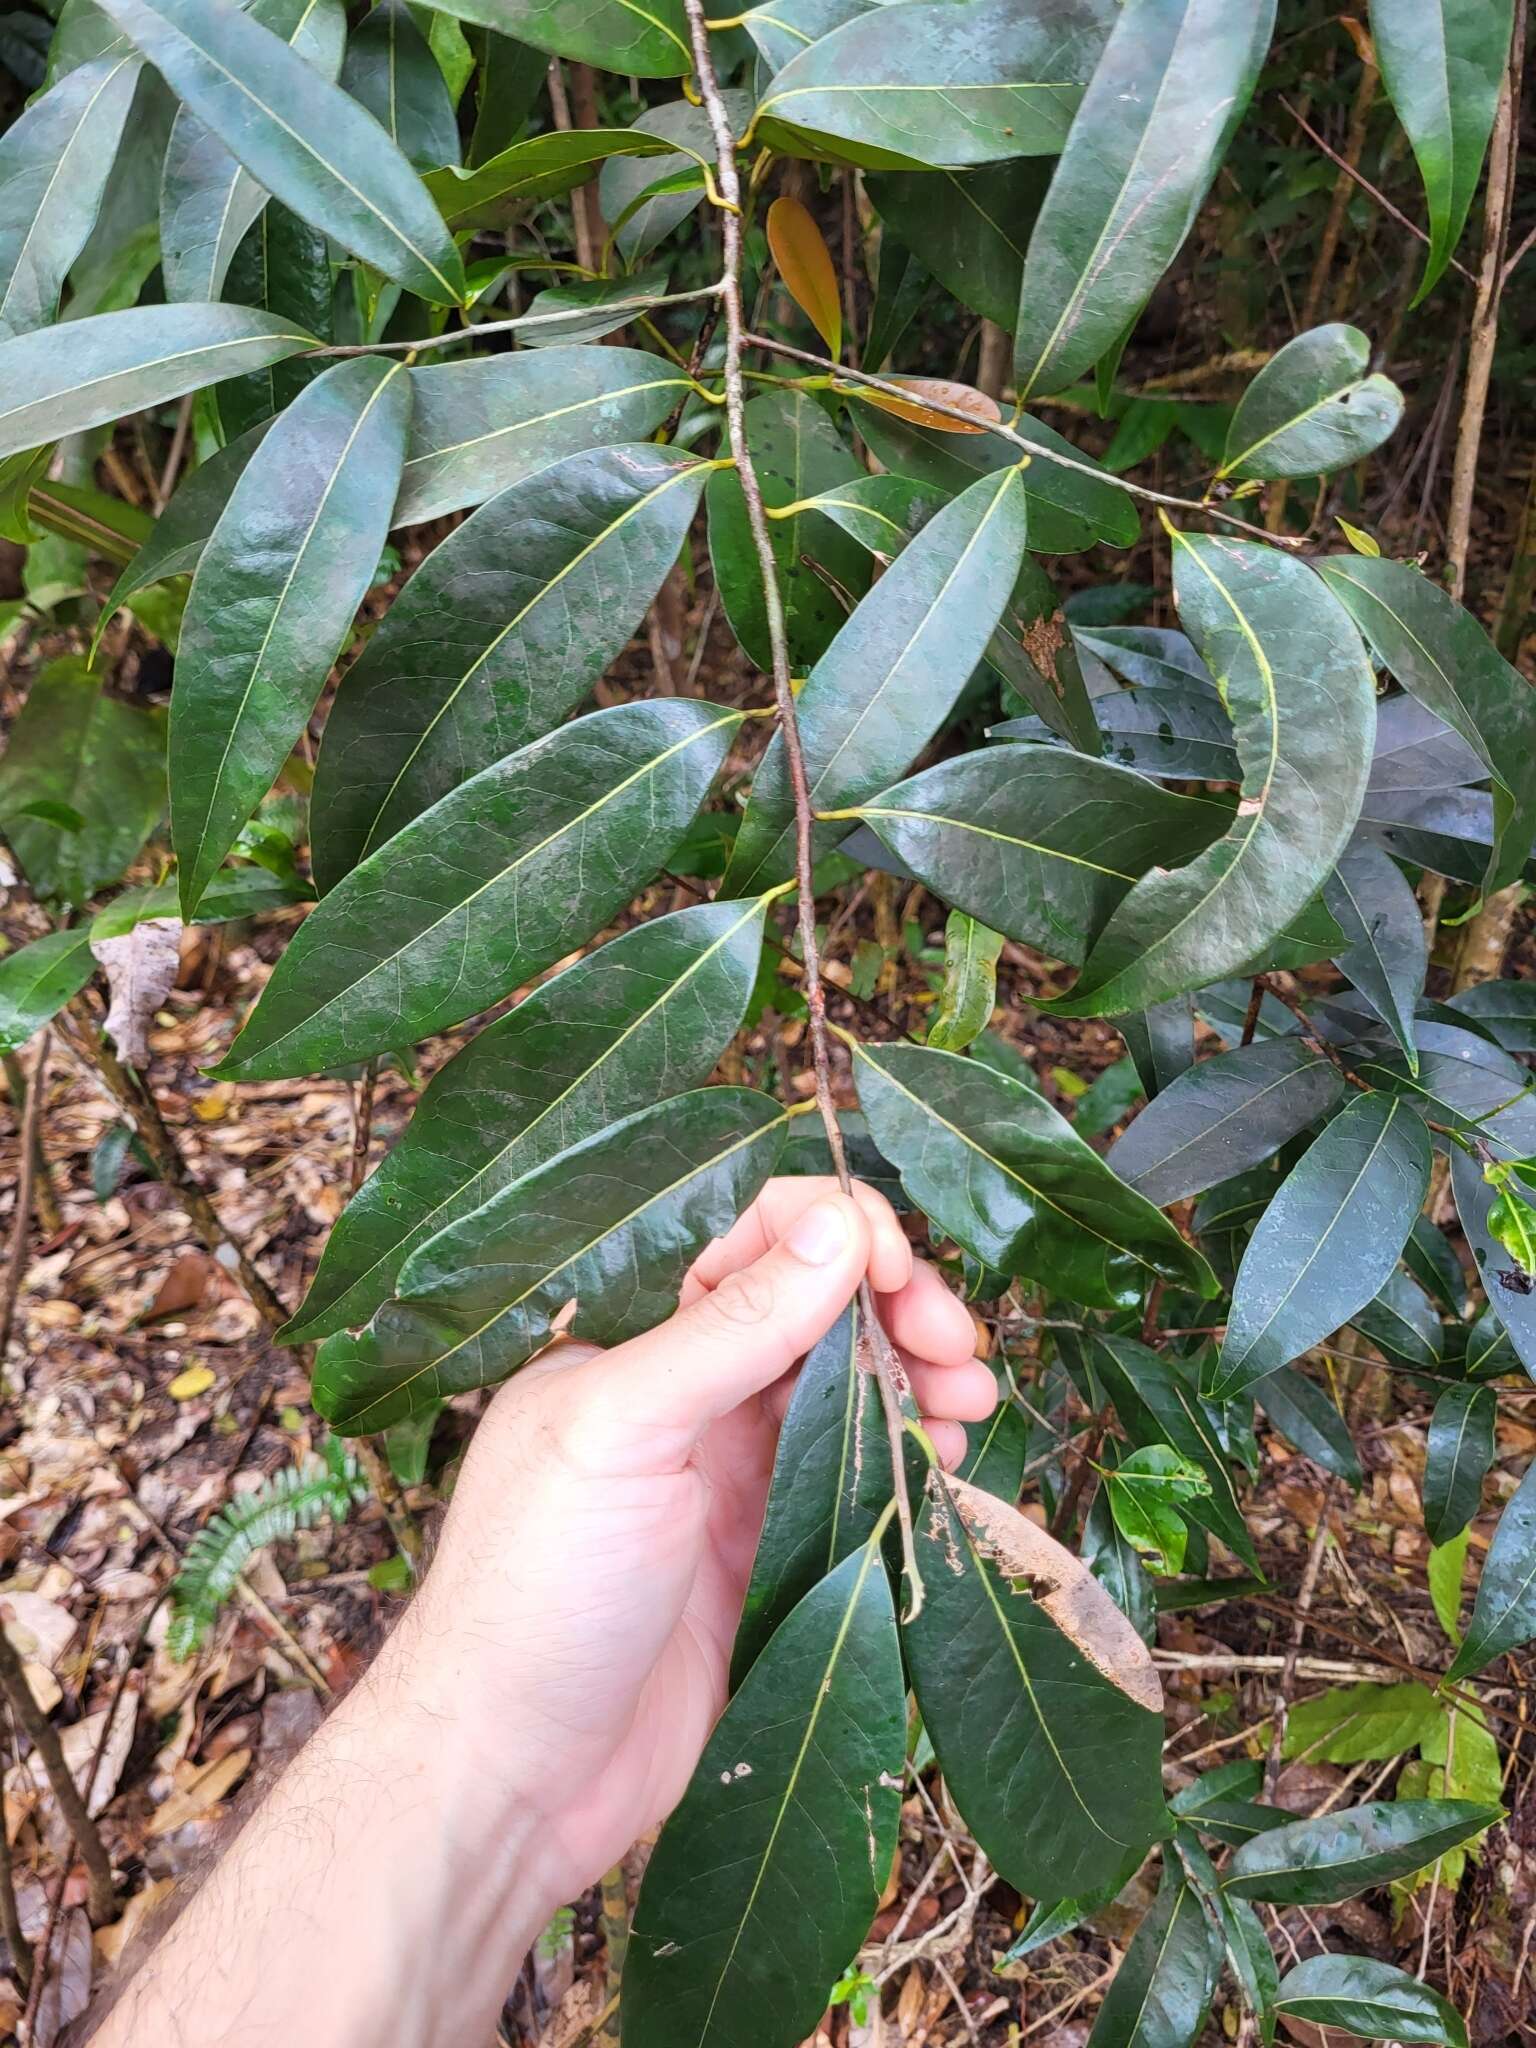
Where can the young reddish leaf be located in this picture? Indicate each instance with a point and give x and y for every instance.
(806, 269)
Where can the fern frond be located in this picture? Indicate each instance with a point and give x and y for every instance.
(290, 1500)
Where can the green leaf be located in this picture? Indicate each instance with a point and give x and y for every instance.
(273, 601)
(1223, 1115)
(390, 70)
(881, 512)
(1039, 1696)
(1387, 954)
(1442, 65)
(299, 136)
(1446, 1572)
(890, 678)
(1300, 691)
(646, 38)
(55, 159)
(500, 633)
(1312, 409)
(1163, 1990)
(1401, 1322)
(643, 1018)
(1153, 127)
(512, 76)
(996, 1168)
(1460, 1451)
(1114, 1563)
(76, 754)
(1328, 1240)
(1145, 1493)
(1159, 1406)
(1441, 655)
(766, 1877)
(1040, 842)
(1318, 1862)
(1000, 79)
(1306, 1417)
(1504, 1612)
(638, 222)
(1505, 1008)
(1509, 1300)
(610, 1225)
(1354, 1724)
(970, 229)
(207, 200)
(284, 266)
(541, 168)
(479, 426)
(1167, 732)
(1369, 1998)
(178, 537)
(588, 310)
(37, 980)
(797, 453)
(997, 1450)
(781, 29)
(1429, 1258)
(831, 1481)
(969, 993)
(119, 363)
(1067, 510)
(509, 872)
(1224, 1803)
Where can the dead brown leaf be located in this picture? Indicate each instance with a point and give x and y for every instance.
(140, 967)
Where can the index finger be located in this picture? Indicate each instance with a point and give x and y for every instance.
(776, 1208)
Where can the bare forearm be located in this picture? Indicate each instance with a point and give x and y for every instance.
(386, 1889)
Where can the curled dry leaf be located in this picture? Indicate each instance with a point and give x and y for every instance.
(1065, 1589)
(946, 392)
(140, 967)
(806, 269)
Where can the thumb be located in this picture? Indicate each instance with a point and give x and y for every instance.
(740, 1338)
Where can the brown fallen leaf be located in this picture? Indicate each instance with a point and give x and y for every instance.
(1064, 1588)
(183, 1287)
(206, 1786)
(111, 1942)
(140, 967)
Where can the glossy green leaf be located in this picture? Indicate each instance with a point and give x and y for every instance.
(1147, 1492)
(299, 136)
(1401, 1322)
(274, 598)
(481, 425)
(1446, 1573)
(891, 676)
(1506, 1008)
(639, 223)
(1369, 1998)
(1115, 1564)
(997, 1450)
(645, 38)
(589, 309)
(831, 1481)
(642, 1018)
(996, 1168)
(1051, 1919)
(540, 168)
(969, 228)
(1317, 1862)
(781, 29)
(180, 534)
(501, 632)
(1172, 733)
(1354, 1724)
(1001, 79)
(1041, 843)
(610, 1225)
(1224, 1802)
(1430, 1259)
(55, 159)
(1154, 124)
(968, 994)
(1067, 510)
(511, 870)
(1297, 683)
(1442, 656)
(1158, 1405)
(1311, 409)
(1442, 64)
(511, 77)
(284, 266)
(1038, 1695)
(797, 452)
(119, 363)
(1504, 1612)
(1510, 1302)
(82, 782)
(390, 70)
(37, 980)
(1387, 954)
(1224, 1115)
(1310, 1421)
(1459, 1453)
(208, 201)
(1328, 1240)
(882, 513)
(1162, 1991)
(765, 1879)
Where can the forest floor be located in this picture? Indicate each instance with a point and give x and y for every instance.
(146, 1394)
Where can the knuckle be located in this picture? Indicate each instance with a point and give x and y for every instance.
(743, 1300)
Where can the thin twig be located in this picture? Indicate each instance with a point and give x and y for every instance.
(177, 450)
(364, 1091)
(26, 1181)
(10, 1917)
(1304, 1598)
(1363, 182)
(642, 302)
(1036, 450)
(889, 1373)
(44, 1738)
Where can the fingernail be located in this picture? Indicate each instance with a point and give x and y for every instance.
(820, 1235)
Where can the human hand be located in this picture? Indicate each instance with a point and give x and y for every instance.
(580, 1612)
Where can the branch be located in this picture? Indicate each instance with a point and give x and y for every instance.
(889, 1373)
(642, 302)
(1035, 449)
(1364, 183)
(26, 1182)
(44, 1738)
